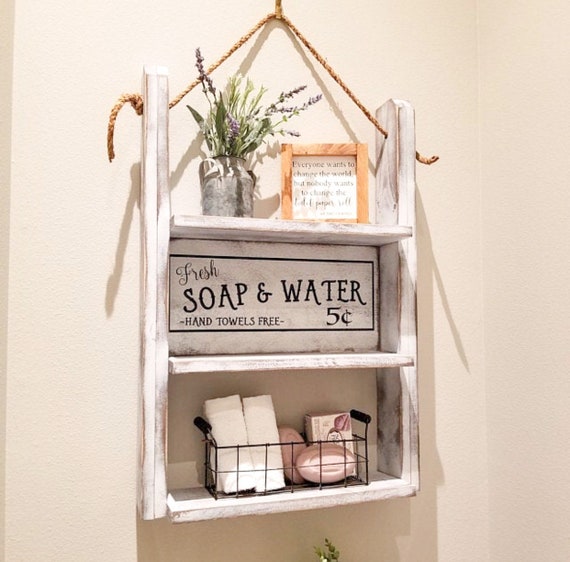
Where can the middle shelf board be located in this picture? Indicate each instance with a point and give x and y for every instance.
(274, 230)
(278, 362)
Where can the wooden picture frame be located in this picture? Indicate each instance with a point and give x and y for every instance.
(325, 182)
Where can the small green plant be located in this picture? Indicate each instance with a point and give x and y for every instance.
(236, 123)
(328, 554)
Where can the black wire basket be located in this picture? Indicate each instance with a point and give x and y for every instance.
(352, 465)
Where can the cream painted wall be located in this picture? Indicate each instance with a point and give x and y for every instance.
(72, 342)
(6, 43)
(525, 116)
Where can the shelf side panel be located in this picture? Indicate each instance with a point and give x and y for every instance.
(155, 217)
(395, 205)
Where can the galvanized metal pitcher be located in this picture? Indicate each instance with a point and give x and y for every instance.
(227, 187)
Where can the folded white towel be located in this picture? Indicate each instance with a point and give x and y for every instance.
(225, 415)
(261, 429)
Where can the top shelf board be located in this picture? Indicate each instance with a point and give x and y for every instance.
(275, 230)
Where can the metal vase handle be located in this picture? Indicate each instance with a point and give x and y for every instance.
(206, 166)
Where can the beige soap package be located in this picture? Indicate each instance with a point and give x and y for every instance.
(330, 427)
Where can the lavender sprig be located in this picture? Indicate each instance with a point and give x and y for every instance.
(282, 110)
(291, 93)
(274, 107)
(234, 129)
(310, 102)
(292, 110)
(207, 83)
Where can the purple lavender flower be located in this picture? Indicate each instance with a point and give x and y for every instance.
(234, 129)
(207, 83)
(273, 108)
(286, 95)
(283, 109)
(291, 110)
(311, 101)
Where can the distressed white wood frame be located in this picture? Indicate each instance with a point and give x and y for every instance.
(155, 215)
(397, 473)
(396, 205)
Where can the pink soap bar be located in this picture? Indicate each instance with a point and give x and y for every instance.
(292, 444)
(325, 463)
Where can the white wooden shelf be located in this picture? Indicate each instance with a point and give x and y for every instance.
(267, 230)
(392, 246)
(281, 362)
(196, 504)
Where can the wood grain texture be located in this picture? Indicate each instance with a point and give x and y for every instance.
(362, 183)
(155, 213)
(280, 362)
(339, 149)
(268, 230)
(397, 388)
(286, 181)
(197, 505)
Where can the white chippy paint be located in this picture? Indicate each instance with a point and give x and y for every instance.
(393, 237)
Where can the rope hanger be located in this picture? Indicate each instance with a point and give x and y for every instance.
(137, 102)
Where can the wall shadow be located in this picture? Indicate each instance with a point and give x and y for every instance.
(114, 280)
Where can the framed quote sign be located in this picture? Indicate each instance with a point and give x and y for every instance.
(324, 182)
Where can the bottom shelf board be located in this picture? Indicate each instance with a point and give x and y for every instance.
(196, 504)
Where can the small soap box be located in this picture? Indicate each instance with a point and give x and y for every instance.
(330, 427)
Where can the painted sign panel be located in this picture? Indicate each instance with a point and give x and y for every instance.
(246, 297)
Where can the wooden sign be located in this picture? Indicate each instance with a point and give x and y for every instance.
(325, 182)
(251, 297)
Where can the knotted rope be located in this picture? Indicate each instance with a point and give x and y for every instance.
(136, 100)
(137, 104)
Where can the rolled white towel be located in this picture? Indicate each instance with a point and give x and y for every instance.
(225, 415)
(261, 429)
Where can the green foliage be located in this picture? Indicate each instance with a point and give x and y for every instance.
(329, 553)
(236, 123)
